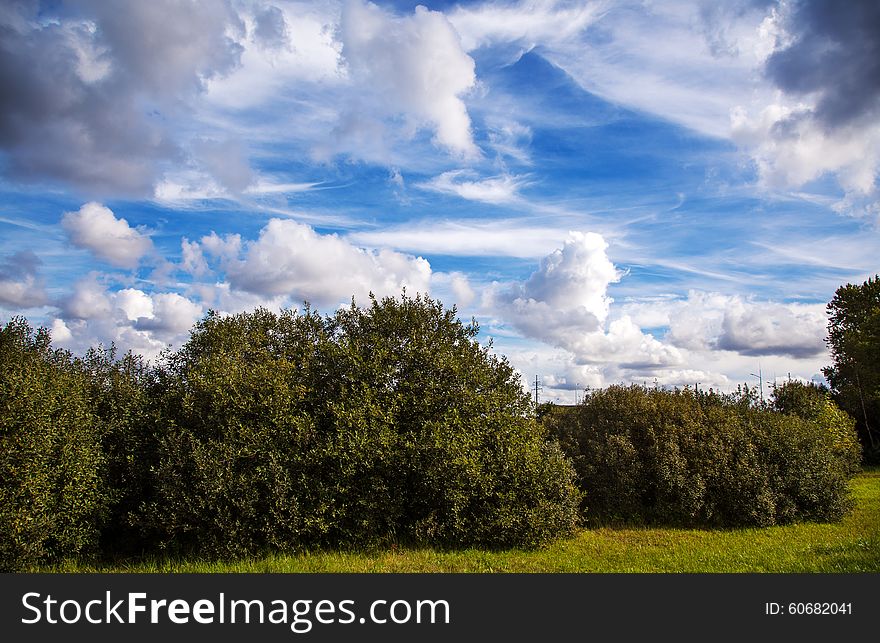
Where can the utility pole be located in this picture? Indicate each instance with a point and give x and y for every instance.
(760, 377)
(537, 387)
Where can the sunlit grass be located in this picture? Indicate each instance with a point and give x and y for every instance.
(852, 545)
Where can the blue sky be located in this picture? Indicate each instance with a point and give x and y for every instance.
(617, 190)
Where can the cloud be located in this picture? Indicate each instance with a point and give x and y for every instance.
(20, 285)
(130, 318)
(496, 238)
(192, 258)
(768, 329)
(565, 303)
(527, 23)
(97, 112)
(791, 148)
(293, 260)
(453, 288)
(826, 119)
(495, 190)
(226, 161)
(573, 279)
(95, 228)
(171, 316)
(411, 66)
(270, 28)
(832, 57)
(706, 321)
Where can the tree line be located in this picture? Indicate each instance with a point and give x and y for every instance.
(373, 426)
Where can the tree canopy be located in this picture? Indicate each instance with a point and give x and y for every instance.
(854, 342)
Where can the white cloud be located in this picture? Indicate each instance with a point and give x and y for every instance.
(528, 22)
(791, 148)
(130, 318)
(496, 238)
(495, 190)
(193, 260)
(706, 322)
(412, 66)
(89, 300)
(95, 228)
(291, 259)
(565, 303)
(570, 287)
(453, 288)
(172, 315)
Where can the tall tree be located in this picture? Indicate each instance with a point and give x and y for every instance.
(854, 341)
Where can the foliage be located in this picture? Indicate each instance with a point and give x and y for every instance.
(813, 402)
(687, 458)
(849, 546)
(854, 341)
(52, 501)
(120, 397)
(385, 423)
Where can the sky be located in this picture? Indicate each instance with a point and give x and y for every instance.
(617, 191)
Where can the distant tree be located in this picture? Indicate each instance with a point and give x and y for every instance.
(854, 341)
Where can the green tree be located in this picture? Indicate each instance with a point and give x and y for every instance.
(813, 402)
(121, 399)
(854, 341)
(52, 500)
(382, 423)
(687, 458)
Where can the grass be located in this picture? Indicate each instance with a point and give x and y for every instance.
(852, 545)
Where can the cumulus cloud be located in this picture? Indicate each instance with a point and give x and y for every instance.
(130, 318)
(95, 113)
(20, 286)
(89, 300)
(768, 329)
(827, 117)
(569, 290)
(495, 190)
(411, 66)
(565, 303)
(293, 260)
(94, 227)
(192, 258)
(705, 321)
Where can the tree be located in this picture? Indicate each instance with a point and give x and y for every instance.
(382, 423)
(52, 500)
(854, 341)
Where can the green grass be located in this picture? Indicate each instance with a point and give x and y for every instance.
(852, 545)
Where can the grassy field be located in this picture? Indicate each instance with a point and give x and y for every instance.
(852, 545)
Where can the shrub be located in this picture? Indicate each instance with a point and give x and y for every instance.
(384, 423)
(52, 502)
(686, 458)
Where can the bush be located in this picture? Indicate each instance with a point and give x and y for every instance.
(52, 501)
(120, 394)
(814, 403)
(378, 424)
(697, 459)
